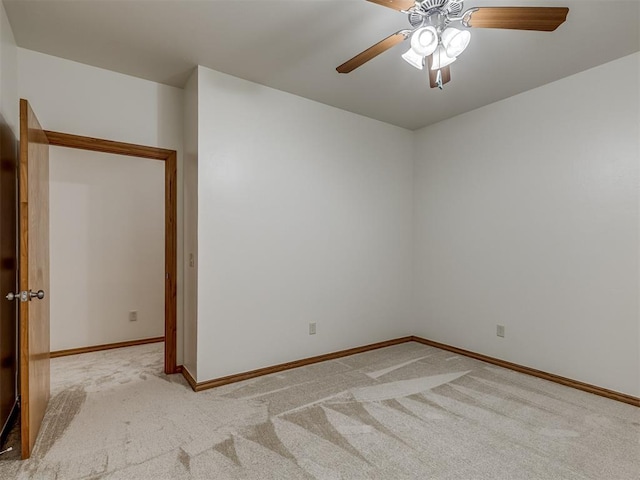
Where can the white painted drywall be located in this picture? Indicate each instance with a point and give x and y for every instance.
(527, 216)
(191, 224)
(8, 73)
(106, 248)
(74, 98)
(304, 215)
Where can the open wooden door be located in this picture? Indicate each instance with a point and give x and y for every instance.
(34, 276)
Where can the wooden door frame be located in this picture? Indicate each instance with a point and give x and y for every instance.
(169, 157)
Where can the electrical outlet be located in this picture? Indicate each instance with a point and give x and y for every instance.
(312, 328)
(500, 330)
(133, 316)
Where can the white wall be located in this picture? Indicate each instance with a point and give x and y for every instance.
(304, 215)
(8, 73)
(191, 223)
(106, 247)
(74, 98)
(527, 216)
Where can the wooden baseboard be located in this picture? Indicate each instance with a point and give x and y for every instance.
(189, 378)
(603, 392)
(289, 365)
(106, 346)
(585, 387)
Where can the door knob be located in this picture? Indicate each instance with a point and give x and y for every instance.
(25, 296)
(39, 294)
(13, 296)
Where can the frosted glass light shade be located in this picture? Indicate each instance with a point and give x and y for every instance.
(441, 59)
(413, 59)
(424, 41)
(455, 41)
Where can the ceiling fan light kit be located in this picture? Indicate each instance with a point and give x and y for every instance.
(455, 41)
(436, 44)
(441, 59)
(447, 43)
(414, 59)
(424, 40)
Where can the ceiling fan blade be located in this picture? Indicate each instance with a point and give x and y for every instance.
(433, 74)
(544, 19)
(395, 4)
(373, 51)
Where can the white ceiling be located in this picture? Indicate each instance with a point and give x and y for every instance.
(295, 45)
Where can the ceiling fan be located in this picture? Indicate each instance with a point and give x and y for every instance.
(435, 44)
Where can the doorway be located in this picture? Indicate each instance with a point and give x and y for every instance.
(28, 263)
(169, 158)
(106, 235)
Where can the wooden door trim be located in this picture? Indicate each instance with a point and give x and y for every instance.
(23, 279)
(105, 346)
(107, 146)
(169, 157)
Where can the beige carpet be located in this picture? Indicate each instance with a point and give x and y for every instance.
(403, 412)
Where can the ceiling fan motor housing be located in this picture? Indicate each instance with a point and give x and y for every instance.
(427, 8)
